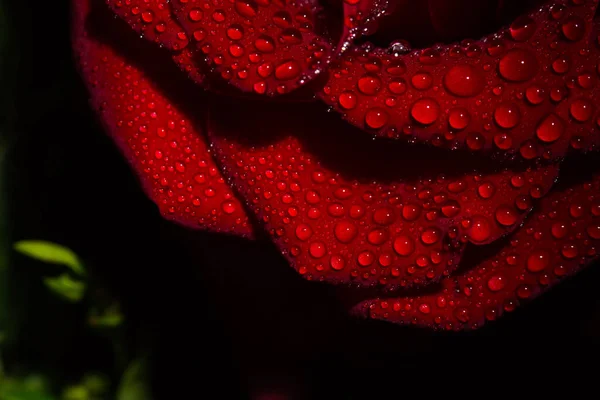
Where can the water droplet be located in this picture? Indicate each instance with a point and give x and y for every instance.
(535, 95)
(235, 32)
(581, 110)
(557, 11)
(594, 230)
(411, 212)
(337, 262)
(246, 8)
(561, 65)
(464, 81)
(291, 36)
(522, 28)
(228, 207)
(550, 129)
(404, 245)
(518, 65)
(236, 50)
(422, 81)
(377, 237)
(384, 216)
(486, 190)
(347, 100)
(289, 69)
(199, 35)
(430, 235)
(538, 260)
(218, 16)
(369, 84)
(265, 43)
(265, 70)
(573, 28)
(429, 57)
(425, 111)
(195, 14)
(507, 115)
(524, 291)
(303, 232)
(317, 249)
(282, 19)
(503, 141)
(475, 141)
(396, 68)
(376, 118)
(480, 229)
(147, 16)
(345, 231)
(569, 251)
(459, 118)
(451, 209)
(528, 150)
(506, 215)
(397, 86)
(365, 258)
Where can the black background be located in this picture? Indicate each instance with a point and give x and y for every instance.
(213, 313)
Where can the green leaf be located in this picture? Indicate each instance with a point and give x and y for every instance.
(66, 287)
(51, 253)
(133, 385)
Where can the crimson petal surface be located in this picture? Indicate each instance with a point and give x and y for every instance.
(162, 143)
(344, 208)
(560, 238)
(531, 90)
(260, 46)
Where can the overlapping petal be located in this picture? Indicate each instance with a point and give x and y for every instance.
(381, 215)
(560, 238)
(264, 47)
(344, 208)
(162, 143)
(529, 90)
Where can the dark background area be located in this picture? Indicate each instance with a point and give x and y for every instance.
(210, 312)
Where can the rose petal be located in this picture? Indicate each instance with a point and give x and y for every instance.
(153, 19)
(560, 238)
(258, 46)
(161, 142)
(535, 96)
(344, 208)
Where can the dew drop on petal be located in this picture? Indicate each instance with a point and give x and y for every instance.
(425, 111)
(518, 65)
(464, 81)
(550, 128)
(538, 260)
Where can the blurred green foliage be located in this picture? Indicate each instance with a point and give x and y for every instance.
(51, 253)
(133, 384)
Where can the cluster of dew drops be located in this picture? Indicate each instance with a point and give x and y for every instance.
(574, 231)
(244, 44)
(517, 65)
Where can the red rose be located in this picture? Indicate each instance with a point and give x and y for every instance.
(445, 185)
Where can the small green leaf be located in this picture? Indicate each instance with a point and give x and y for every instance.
(133, 385)
(66, 287)
(51, 253)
